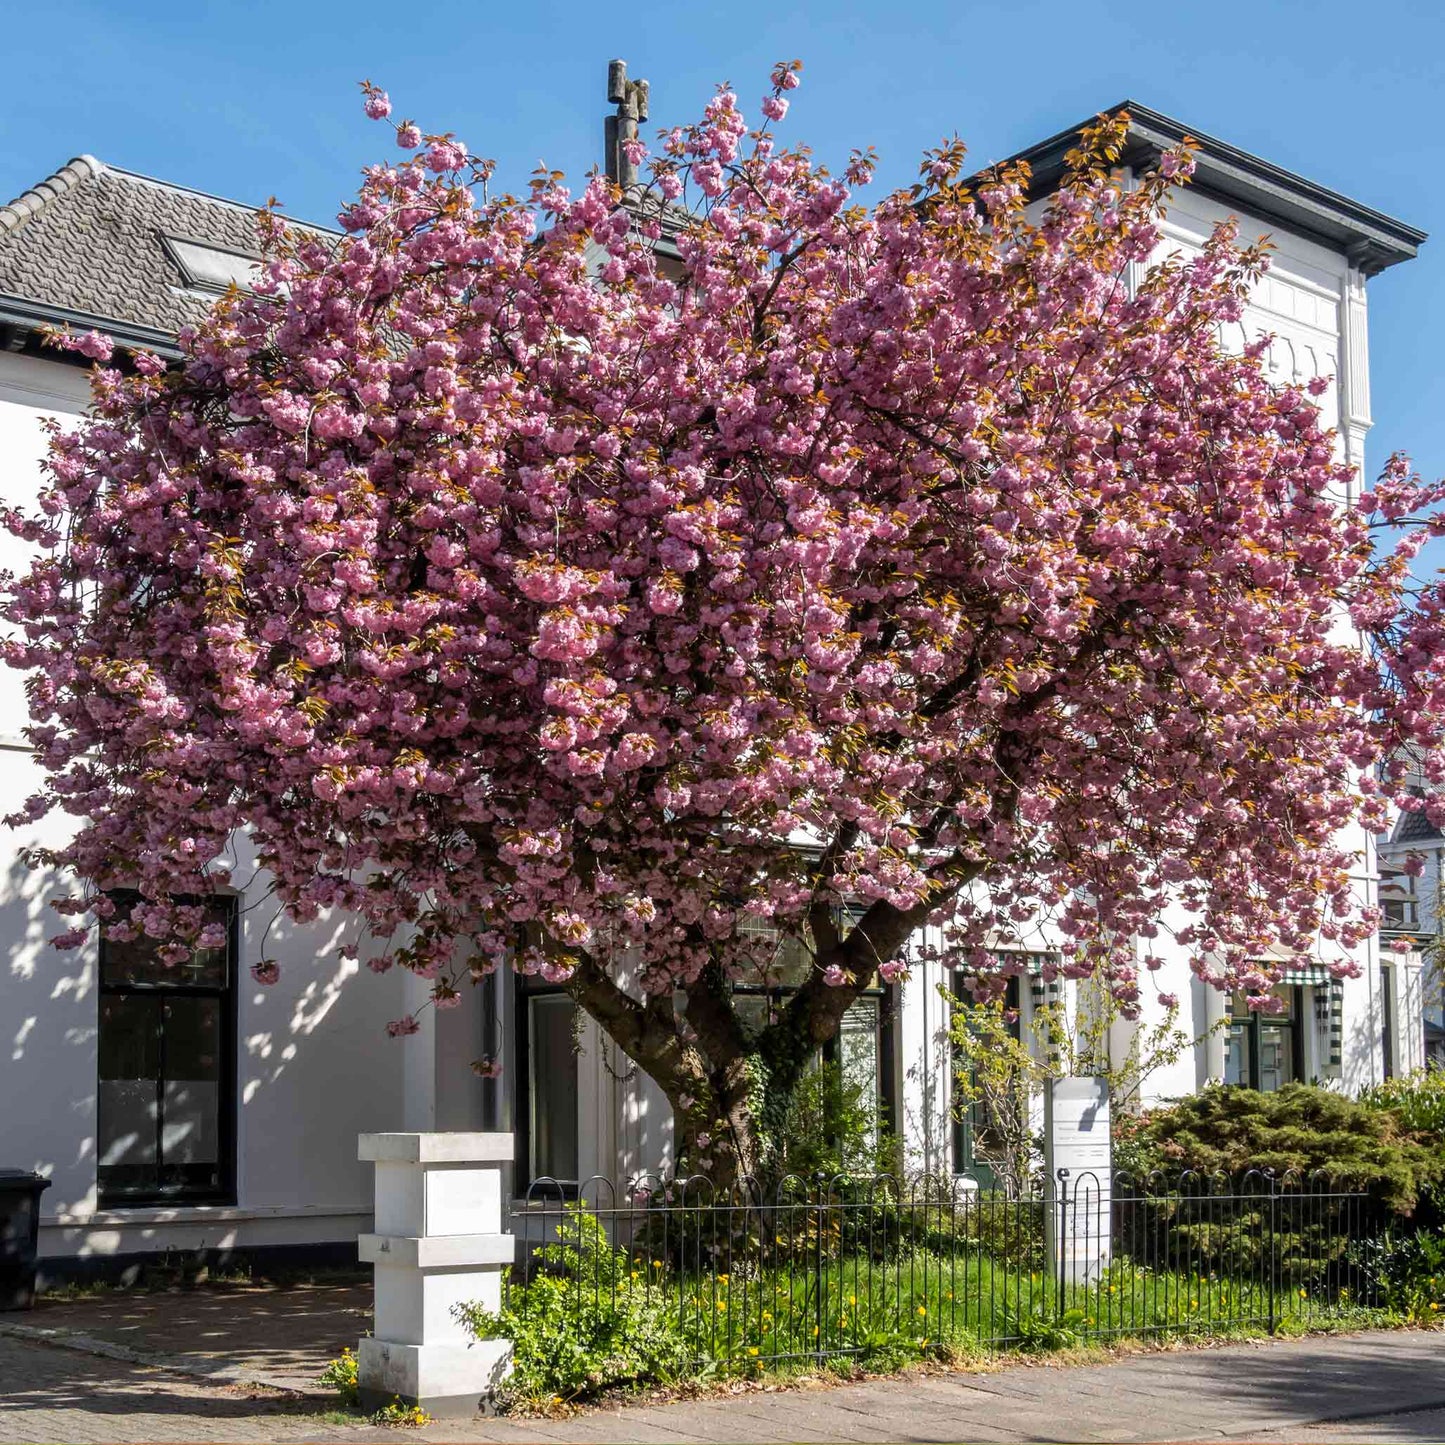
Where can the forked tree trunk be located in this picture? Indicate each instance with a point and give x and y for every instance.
(730, 1090)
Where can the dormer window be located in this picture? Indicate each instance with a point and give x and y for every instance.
(212, 268)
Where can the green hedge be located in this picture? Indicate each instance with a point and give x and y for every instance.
(1357, 1145)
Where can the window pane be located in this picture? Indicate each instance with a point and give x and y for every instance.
(130, 1067)
(138, 962)
(991, 1116)
(754, 1009)
(785, 963)
(1236, 1053)
(858, 1055)
(1276, 1054)
(191, 1105)
(553, 1087)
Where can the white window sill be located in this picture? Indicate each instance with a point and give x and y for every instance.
(197, 1214)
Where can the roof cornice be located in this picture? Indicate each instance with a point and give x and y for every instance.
(28, 315)
(1371, 239)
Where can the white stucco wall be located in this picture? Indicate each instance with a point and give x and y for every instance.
(1313, 302)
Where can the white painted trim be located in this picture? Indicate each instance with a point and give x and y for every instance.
(198, 1214)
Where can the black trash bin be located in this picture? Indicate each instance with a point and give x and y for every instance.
(19, 1236)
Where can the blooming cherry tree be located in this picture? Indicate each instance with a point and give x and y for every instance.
(617, 585)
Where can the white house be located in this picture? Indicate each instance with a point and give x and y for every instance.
(194, 1111)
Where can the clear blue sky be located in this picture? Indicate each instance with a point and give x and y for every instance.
(254, 99)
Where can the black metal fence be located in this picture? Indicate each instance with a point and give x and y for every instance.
(835, 1267)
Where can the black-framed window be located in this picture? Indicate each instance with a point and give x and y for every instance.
(165, 1107)
(547, 1082)
(863, 1045)
(547, 1087)
(1265, 1051)
(975, 1128)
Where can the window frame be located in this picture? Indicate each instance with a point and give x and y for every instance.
(525, 990)
(887, 997)
(1254, 1026)
(966, 1158)
(1388, 1069)
(226, 1090)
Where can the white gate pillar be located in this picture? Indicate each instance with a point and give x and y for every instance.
(1079, 1205)
(438, 1243)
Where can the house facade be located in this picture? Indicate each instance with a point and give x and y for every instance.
(189, 1109)
(1413, 906)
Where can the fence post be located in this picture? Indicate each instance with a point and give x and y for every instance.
(1273, 1253)
(439, 1242)
(821, 1212)
(1061, 1233)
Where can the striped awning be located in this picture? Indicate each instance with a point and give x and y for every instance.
(1313, 974)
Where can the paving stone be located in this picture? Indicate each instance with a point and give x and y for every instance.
(1276, 1393)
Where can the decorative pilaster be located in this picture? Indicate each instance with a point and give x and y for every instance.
(439, 1242)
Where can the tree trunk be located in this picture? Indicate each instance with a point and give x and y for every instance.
(730, 1090)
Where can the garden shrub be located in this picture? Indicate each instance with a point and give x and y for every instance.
(1135, 1155)
(1301, 1129)
(587, 1321)
(1417, 1100)
(832, 1128)
(1409, 1271)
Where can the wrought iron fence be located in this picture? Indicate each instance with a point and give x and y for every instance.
(836, 1267)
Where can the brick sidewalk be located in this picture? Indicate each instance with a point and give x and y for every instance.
(279, 1335)
(1274, 1390)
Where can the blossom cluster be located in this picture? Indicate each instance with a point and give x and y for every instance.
(582, 576)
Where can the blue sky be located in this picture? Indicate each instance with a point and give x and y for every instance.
(250, 100)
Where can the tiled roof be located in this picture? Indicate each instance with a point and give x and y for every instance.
(91, 244)
(1414, 828)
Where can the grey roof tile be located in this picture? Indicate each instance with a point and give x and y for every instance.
(91, 240)
(1414, 828)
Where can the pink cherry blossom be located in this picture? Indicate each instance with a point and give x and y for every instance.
(536, 590)
(377, 103)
